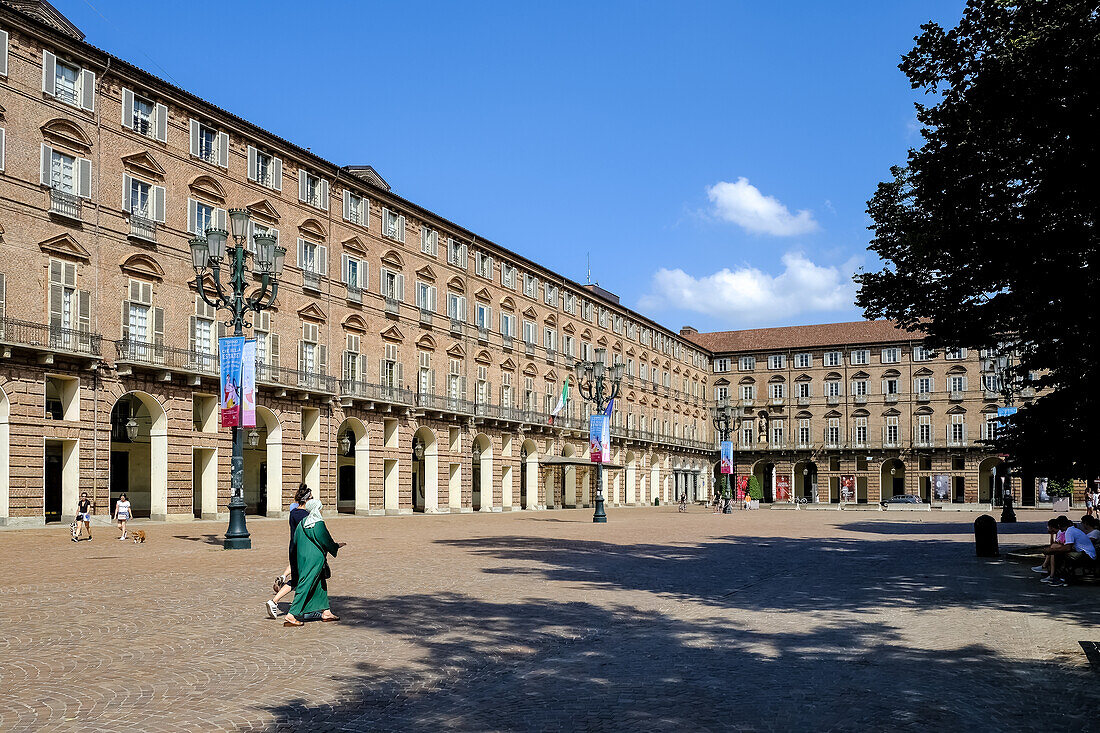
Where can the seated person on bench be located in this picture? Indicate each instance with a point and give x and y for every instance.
(1057, 537)
(1076, 546)
(1090, 525)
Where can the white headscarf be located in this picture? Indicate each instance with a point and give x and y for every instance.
(313, 506)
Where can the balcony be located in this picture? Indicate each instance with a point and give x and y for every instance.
(860, 444)
(354, 294)
(441, 403)
(551, 356)
(832, 400)
(955, 396)
(65, 205)
(958, 443)
(506, 342)
(924, 396)
(482, 335)
(352, 390)
(458, 328)
(776, 401)
(143, 229)
(425, 317)
(991, 394)
(890, 397)
(805, 446)
(43, 338)
(859, 399)
(393, 306)
(924, 443)
(130, 353)
(803, 400)
(266, 374)
(746, 403)
(528, 348)
(311, 281)
(777, 445)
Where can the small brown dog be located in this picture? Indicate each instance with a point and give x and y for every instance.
(139, 536)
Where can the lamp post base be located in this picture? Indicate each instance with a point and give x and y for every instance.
(599, 516)
(237, 536)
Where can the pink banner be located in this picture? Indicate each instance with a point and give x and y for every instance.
(782, 488)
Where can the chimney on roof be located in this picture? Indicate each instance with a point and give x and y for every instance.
(688, 331)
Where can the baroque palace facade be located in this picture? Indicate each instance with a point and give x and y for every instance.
(408, 365)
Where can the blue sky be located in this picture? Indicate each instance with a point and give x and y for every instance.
(713, 158)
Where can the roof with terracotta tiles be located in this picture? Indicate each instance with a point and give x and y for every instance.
(798, 337)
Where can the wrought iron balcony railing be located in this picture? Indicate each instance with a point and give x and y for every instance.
(155, 354)
(64, 204)
(49, 338)
(393, 306)
(425, 316)
(375, 392)
(354, 294)
(142, 228)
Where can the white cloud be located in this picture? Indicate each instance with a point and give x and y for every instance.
(749, 297)
(743, 204)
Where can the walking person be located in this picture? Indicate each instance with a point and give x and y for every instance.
(310, 589)
(1092, 501)
(84, 509)
(286, 582)
(122, 514)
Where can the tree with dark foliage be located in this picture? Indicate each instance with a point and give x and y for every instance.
(989, 233)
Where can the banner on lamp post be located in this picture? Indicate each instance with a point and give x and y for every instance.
(941, 487)
(248, 384)
(599, 439)
(727, 456)
(229, 362)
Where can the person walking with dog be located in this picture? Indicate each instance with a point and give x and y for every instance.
(84, 509)
(310, 590)
(284, 584)
(122, 514)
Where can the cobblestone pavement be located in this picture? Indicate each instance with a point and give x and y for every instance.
(770, 620)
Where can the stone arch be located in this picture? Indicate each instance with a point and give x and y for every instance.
(142, 266)
(990, 472)
(353, 467)
(147, 470)
(67, 133)
(207, 187)
(891, 478)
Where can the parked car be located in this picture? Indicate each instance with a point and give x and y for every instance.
(903, 499)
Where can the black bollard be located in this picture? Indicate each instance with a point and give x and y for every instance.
(985, 536)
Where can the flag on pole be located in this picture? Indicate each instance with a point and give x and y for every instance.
(563, 399)
(610, 407)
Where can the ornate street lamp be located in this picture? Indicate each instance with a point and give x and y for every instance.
(132, 429)
(208, 256)
(253, 438)
(345, 443)
(724, 423)
(598, 383)
(1006, 375)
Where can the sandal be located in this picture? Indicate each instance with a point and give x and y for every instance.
(294, 623)
(333, 617)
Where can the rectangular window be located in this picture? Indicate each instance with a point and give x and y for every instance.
(508, 276)
(891, 434)
(746, 435)
(425, 296)
(721, 365)
(550, 295)
(569, 303)
(859, 387)
(143, 120)
(890, 386)
(209, 145)
(140, 199)
(921, 354)
(529, 333)
(832, 388)
(777, 361)
(721, 393)
(483, 265)
(861, 431)
(958, 429)
(924, 429)
(832, 434)
(355, 273)
(861, 356)
(804, 360)
(955, 353)
(356, 208)
(313, 190)
(508, 325)
(484, 317)
(456, 253)
(748, 391)
(956, 383)
(393, 225)
(924, 385)
(891, 355)
(778, 433)
(803, 389)
(265, 169)
(63, 172)
(747, 363)
(456, 307)
(804, 432)
(429, 241)
(833, 358)
(312, 257)
(530, 286)
(550, 338)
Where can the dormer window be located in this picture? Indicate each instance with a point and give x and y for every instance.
(144, 116)
(68, 82)
(312, 190)
(265, 169)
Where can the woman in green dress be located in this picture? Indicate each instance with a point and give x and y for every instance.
(310, 591)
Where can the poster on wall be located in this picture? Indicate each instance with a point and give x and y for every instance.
(248, 384)
(742, 487)
(848, 488)
(599, 439)
(782, 488)
(727, 456)
(229, 362)
(1042, 485)
(941, 487)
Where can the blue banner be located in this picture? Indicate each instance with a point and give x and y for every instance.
(599, 439)
(248, 384)
(727, 456)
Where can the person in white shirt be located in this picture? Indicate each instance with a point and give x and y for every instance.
(1073, 549)
(1091, 527)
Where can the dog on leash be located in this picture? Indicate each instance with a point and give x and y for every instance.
(139, 536)
(74, 529)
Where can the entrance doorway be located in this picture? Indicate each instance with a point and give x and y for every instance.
(53, 482)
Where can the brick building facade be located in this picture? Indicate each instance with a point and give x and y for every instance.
(432, 354)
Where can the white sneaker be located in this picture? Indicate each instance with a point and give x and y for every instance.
(1038, 569)
(1046, 579)
(272, 609)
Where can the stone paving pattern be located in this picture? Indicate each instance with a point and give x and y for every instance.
(656, 621)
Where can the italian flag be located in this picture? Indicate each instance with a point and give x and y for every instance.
(563, 398)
